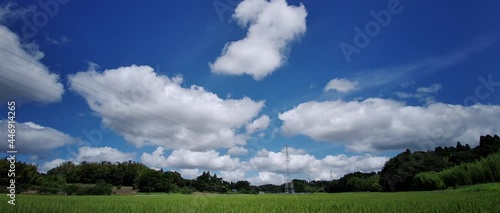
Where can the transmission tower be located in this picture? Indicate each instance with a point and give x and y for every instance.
(289, 182)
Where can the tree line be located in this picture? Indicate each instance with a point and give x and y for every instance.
(435, 169)
(430, 170)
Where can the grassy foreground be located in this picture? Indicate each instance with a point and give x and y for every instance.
(482, 198)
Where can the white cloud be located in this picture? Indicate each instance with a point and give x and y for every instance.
(50, 165)
(155, 159)
(312, 168)
(258, 124)
(267, 178)
(404, 95)
(431, 89)
(272, 25)
(341, 85)
(91, 154)
(190, 173)
(98, 154)
(270, 165)
(151, 109)
(186, 159)
(24, 77)
(343, 164)
(292, 150)
(210, 160)
(266, 160)
(379, 124)
(425, 94)
(36, 139)
(237, 151)
(233, 176)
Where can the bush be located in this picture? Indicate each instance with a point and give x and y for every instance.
(98, 189)
(428, 181)
(71, 189)
(48, 189)
(102, 189)
(187, 190)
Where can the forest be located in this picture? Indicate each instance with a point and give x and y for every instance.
(436, 169)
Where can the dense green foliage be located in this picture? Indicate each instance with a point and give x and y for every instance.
(468, 200)
(356, 182)
(483, 171)
(26, 175)
(89, 173)
(400, 172)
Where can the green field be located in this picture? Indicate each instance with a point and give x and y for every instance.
(481, 198)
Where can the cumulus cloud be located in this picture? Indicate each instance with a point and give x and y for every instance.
(98, 154)
(258, 124)
(210, 160)
(272, 25)
(190, 173)
(270, 165)
(24, 77)
(91, 154)
(35, 139)
(233, 176)
(237, 150)
(315, 169)
(379, 124)
(267, 178)
(187, 159)
(341, 85)
(155, 159)
(266, 160)
(151, 109)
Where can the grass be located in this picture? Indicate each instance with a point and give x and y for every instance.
(480, 188)
(479, 198)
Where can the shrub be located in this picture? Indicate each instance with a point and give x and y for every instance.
(187, 190)
(428, 181)
(71, 189)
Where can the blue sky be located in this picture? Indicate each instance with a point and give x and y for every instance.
(225, 85)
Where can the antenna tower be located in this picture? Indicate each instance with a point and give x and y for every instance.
(289, 182)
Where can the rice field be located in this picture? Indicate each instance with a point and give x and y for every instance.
(464, 200)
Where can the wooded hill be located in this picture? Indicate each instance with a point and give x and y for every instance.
(420, 170)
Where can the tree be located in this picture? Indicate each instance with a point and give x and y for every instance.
(242, 186)
(399, 171)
